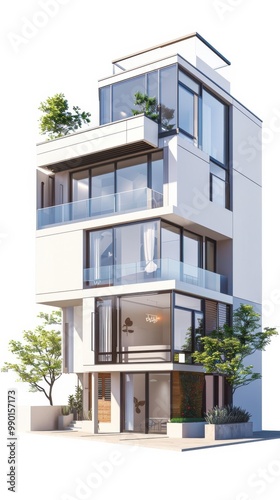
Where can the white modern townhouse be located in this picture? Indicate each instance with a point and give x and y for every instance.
(149, 236)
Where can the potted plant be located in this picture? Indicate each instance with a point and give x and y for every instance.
(228, 422)
(65, 418)
(75, 403)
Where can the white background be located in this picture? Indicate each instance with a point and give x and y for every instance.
(67, 50)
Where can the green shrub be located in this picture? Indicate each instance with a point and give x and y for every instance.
(179, 420)
(65, 410)
(227, 415)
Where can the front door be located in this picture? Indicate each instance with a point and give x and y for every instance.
(146, 405)
(104, 397)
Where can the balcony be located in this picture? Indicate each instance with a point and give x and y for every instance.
(93, 145)
(127, 201)
(157, 270)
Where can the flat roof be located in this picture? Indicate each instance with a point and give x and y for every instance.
(189, 46)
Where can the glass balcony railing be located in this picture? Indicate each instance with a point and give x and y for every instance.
(162, 269)
(127, 201)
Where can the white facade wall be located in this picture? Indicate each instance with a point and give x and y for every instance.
(189, 183)
(247, 208)
(59, 259)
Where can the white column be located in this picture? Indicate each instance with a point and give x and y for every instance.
(94, 398)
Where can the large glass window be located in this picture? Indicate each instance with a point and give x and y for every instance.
(218, 185)
(136, 250)
(104, 317)
(188, 327)
(213, 127)
(186, 110)
(145, 326)
(210, 255)
(101, 256)
(80, 185)
(137, 330)
(170, 242)
(131, 183)
(160, 84)
(102, 189)
(168, 98)
(198, 330)
(192, 249)
(105, 105)
(80, 194)
(134, 253)
(123, 96)
(182, 330)
(208, 128)
(126, 176)
(188, 106)
(170, 251)
(128, 249)
(157, 173)
(152, 85)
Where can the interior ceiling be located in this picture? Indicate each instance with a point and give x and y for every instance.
(153, 300)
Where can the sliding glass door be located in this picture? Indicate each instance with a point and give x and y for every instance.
(146, 402)
(134, 402)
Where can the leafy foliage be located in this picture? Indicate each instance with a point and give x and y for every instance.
(39, 356)
(75, 402)
(179, 420)
(57, 121)
(146, 105)
(224, 350)
(167, 114)
(191, 388)
(227, 415)
(65, 410)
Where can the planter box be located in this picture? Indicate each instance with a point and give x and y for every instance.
(185, 430)
(38, 418)
(229, 431)
(64, 421)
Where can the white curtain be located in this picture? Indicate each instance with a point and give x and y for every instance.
(105, 326)
(149, 247)
(97, 256)
(129, 406)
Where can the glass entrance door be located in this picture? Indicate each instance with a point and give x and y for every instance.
(159, 402)
(135, 402)
(146, 402)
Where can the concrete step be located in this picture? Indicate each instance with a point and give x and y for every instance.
(74, 426)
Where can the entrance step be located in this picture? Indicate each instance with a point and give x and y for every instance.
(74, 426)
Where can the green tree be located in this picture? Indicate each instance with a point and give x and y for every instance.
(225, 349)
(57, 120)
(146, 105)
(39, 356)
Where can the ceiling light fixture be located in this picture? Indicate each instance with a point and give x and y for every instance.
(152, 318)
